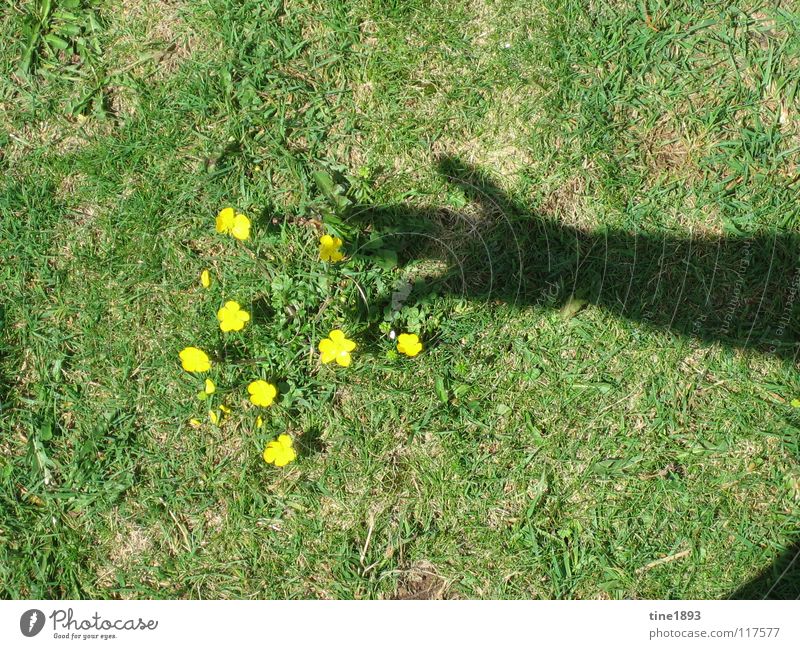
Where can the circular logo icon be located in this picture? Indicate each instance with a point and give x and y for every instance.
(31, 622)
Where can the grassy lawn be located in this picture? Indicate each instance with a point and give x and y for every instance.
(570, 430)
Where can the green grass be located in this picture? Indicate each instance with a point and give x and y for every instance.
(528, 451)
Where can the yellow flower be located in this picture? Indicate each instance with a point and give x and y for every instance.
(795, 403)
(280, 452)
(205, 279)
(210, 387)
(409, 344)
(195, 423)
(262, 393)
(259, 422)
(232, 317)
(195, 360)
(329, 248)
(336, 347)
(213, 417)
(241, 227)
(225, 220)
(233, 223)
(224, 409)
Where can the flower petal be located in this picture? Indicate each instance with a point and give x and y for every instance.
(194, 360)
(241, 227)
(225, 219)
(271, 452)
(285, 456)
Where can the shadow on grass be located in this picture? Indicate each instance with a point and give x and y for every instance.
(741, 292)
(310, 442)
(781, 580)
(738, 291)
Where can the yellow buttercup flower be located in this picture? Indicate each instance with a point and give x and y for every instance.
(409, 344)
(329, 248)
(213, 417)
(205, 279)
(280, 451)
(241, 227)
(336, 347)
(233, 223)
(225, 220)
(795, 403)
(262, 393)
(232, 317)
(224, 408)
(210, 388)
(259, 422)
(195, 423)
(195, 360)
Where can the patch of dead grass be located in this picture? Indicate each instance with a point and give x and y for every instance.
(127, 546)
(158, 28)
(421, 581)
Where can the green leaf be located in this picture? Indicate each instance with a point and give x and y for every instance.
(474, 406)
(45, 8)
(341, 201)
(57, 42)
(533, 374)
(601, 386)
(69, 30)
(460, 390)
(46, 431)
(324, 182)
(39, 459)
(615, 466)
(385, 258)
(441, 391)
